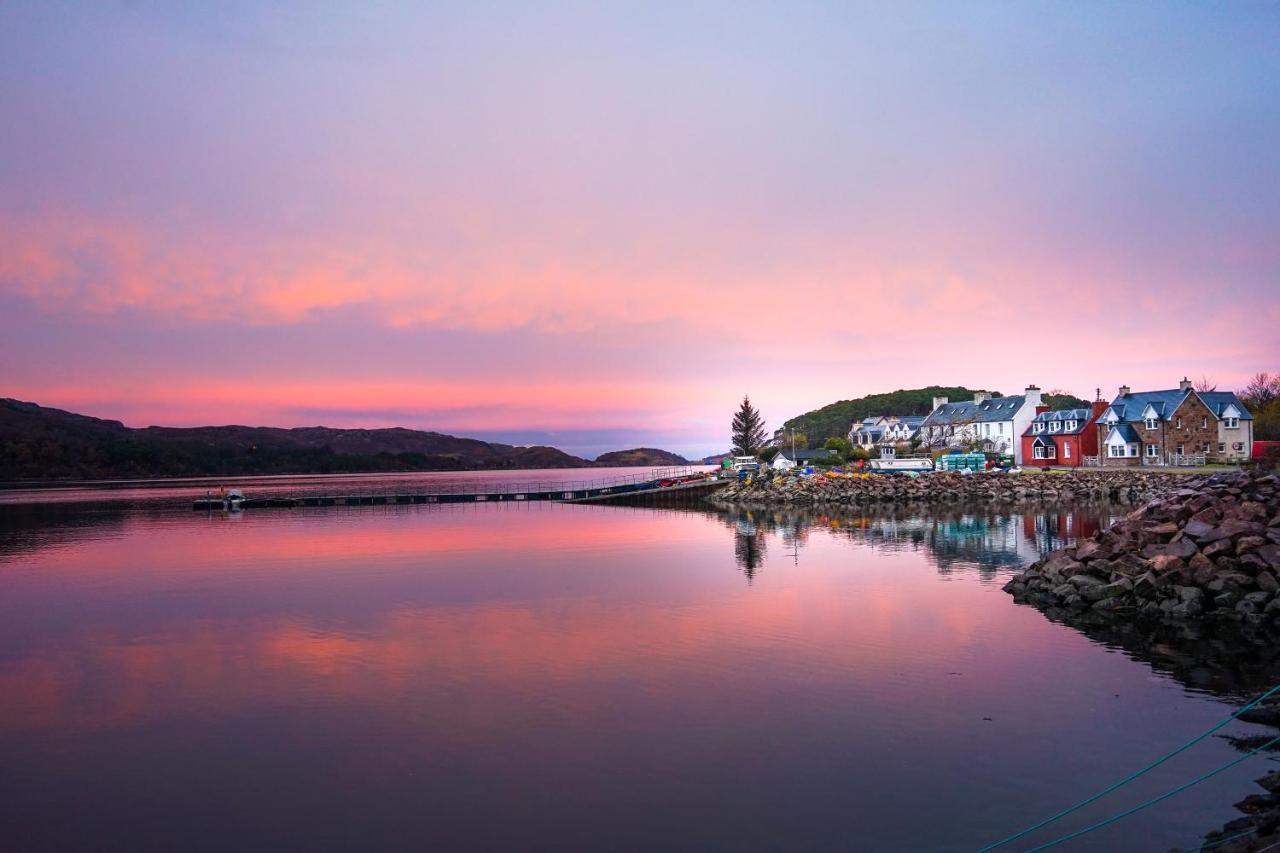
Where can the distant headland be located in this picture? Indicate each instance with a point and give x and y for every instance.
(41, 443)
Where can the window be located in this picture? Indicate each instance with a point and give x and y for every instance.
(1150, 423)
(1204, 422)
(1178, 423)
(1071, 425)
(1038, 452)
(1066, 450)
(1153, 450)
(1180, 450)
(1206, 447)
(1039, 427)
(1233, 423)
(1133, 449)
(1117, 450)
(1222, 446)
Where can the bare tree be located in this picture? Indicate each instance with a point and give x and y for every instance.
(1204, 383)
(1261, 391)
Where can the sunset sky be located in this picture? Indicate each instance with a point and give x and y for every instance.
(598, 225)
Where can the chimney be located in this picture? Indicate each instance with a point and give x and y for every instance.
(1185, 385)
(1033, 395)
(981, 397)
(1041, 409)
(1099, 406)
(938, 401)
(1124, 391)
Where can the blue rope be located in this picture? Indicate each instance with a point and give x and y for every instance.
(1151, 802)
(1126, 780)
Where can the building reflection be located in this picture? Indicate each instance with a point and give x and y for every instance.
(973, 539)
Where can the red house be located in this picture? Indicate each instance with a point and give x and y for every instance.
(1062, 438)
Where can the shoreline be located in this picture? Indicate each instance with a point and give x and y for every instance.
(1202, 560)
(1123, 486)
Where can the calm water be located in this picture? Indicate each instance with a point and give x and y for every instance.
(563, 677)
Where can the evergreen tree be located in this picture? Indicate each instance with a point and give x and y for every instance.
(748, 429)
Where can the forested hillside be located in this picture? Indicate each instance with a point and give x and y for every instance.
(835, 419)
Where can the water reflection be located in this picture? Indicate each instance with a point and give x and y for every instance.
(553, 676)
(976, 538)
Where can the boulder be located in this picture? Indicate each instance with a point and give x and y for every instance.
(1183, 548)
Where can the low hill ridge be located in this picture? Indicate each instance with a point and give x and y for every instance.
(41, 443)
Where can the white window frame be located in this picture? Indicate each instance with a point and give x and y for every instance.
(1071, 425)
(1204, 422)
(1232, 423)
(1066, 450)
(1037, 452)
(1222, 447)
(1207, 446)
(1181, 451)
(1117, 451)
(1151, 423)
(1153, 451)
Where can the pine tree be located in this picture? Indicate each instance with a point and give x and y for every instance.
(748, 429)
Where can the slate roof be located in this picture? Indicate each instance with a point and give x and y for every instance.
(1127, 432)
(999, 409)
(1217, 401)
(1080, 416)
(1131, 406)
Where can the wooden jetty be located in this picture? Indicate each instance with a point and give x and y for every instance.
(654, 488)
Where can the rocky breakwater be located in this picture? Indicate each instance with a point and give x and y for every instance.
(1121, 486)
(1208, 551)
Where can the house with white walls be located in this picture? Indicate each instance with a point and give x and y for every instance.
(987, 423)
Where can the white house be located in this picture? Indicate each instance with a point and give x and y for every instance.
(788, 459)
(993, 424)
(884, 430)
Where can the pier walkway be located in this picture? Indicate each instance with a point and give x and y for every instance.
(687, 482)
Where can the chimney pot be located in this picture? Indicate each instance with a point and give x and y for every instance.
(1185, 384)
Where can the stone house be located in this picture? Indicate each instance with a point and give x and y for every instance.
(1173, 427)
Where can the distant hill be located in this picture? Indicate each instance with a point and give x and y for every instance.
(835, 419)
(43, 443)
(640, 456)
(1062, 400)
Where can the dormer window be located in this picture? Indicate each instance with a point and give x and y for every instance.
(1071, 425)
(1233, 423)
(1151, 423)
(1038, 427)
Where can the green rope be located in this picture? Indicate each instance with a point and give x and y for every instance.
(1151, 802)
(1126, 780)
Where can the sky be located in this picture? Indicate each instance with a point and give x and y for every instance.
(599, 225)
